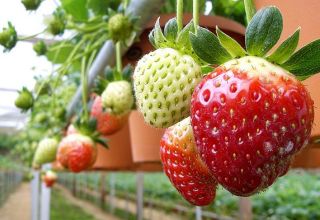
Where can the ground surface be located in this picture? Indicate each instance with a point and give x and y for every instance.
(17, 206)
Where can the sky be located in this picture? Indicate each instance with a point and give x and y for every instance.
(19, 66)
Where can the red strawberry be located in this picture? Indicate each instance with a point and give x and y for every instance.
(183, 165)
(77, 152)
(49, 178)
(250, 118)
(106, 123)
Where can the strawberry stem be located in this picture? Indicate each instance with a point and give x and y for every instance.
(84, 82)
(179, 14)
(250, 9)
(118, 57)
(195, 15)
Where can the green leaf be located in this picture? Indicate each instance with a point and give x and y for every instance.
(183, 37)
(208, 48)
(305, 61)
(100, 7)
(171, 29)
(232, 46)
(286, 49)
(159, 38)
(76, 8)
(264, 31)
(59, 52)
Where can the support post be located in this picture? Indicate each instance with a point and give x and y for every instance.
(45, 198)
(102, 189)
(198, 213)
(112, 192)
(245, 206)
(35, 195)
(140, 189)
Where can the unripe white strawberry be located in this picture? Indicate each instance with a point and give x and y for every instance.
(117, 98)
(163, 82)
(46, 151)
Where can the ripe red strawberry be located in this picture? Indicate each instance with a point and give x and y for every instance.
(252, 115)
(106, 123)
(182, 164)
(49, 178)
(77, 152)
(248, 121)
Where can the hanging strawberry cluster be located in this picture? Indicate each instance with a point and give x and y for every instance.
(249, 117)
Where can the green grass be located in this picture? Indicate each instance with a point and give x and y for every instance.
(62, 209)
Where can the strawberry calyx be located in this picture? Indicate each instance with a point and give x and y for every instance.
(89, 128)
(112, 75)
(262, 34)
(172, 38)
(31, 5)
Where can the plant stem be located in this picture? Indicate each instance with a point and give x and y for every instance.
(179, 14)
(84, 84)
(250, 9)
(195, 15)
(30, 37)
(125, 4)
(118, 57)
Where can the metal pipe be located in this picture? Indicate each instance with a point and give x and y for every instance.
(146, 10)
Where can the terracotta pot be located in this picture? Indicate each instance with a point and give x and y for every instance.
(308, 158)
(297, 13)
(144, 139)
(118, 156)
(137, 50)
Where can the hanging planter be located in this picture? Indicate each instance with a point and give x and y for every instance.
(294, 12)
(144, 138)
(118, 155)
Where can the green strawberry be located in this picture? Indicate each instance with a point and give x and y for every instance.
(40, 48)
(117, 98)
(31, 4)
(120, 27)
(8, 37)
(46, 151)
(24, 100)
(165, 78)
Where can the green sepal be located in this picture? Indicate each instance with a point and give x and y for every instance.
(286, 49)
(306, 61)
(159, 38)
(101, 140)
(151, 38)
(264, 31)
(183, 39)
(171, 29)
(208, 48)
(206, 69)
(232, 46)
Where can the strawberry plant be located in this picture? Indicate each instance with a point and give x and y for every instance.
(251, 115)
